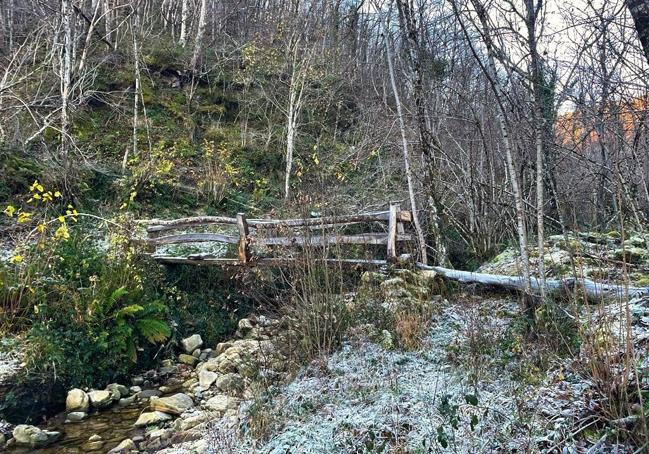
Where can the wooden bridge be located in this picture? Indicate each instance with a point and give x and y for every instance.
(254, 235)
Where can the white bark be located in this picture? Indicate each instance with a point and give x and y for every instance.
(406, 155)
(200, 33)
(66, 79)
(183, 22)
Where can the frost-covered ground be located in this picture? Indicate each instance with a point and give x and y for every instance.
(370, 399)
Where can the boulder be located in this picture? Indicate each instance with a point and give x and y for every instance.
(147, 394)
(207, 378)
(76, 416)
(190, 360)
(174, 405)
(152, 418)
(220, 403)
(100, 399)
(125, 446)
(77, 400)
(118, 391)
(192, 421)
(231, 384)
(34, 437)
(191, 343)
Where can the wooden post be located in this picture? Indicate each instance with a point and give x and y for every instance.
(244, 250)
(392, 232)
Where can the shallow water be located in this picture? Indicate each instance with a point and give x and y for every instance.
(112, 425)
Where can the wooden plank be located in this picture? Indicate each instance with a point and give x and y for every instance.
(323, 240)
(157, 225)
(162, 225)
(194, 238)
(266, 261)
(244, 250)
(392, 233)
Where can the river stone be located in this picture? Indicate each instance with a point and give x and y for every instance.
(221, 402)
(33, 436)
(94, 445)
(191, 343)
(77, 400)
(137, 380)
(76, 416)
(118, 391)
(126, 401)
(125, 446)
(175, 405)
(207, 378)
(222, 347)
(151, 418)
(148, 393)
(183, 424)
(100, 399)
(95, 437)
(135, 389)
(187, 359)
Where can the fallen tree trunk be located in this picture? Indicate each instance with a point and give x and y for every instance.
(593, 290)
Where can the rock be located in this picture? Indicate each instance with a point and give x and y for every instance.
(187, 359)
(147, 394)
(118, 391)
(183, 424)
(191, 343)
(207, 378)
(197, 353)
(222, 347)
(152, 418)
(137, 381)
(135, 389)
(125, 446)
(220, 403)
(100, 399)
(126, 401)
(34, 437)
(93, 445)
(231, 384)
(77, 401)
(167, 363)
(632, 254)
(244, 327)
(95, 437)
(174, 405)
(386, 340)
(165, 389)
(76, 416)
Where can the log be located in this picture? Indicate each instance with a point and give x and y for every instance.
(194, 238)
(594, 290)
(322, 240)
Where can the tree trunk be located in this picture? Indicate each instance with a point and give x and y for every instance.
(200, 33)
(183, 23)
(639, 10)
(406, 155)
(66, 81)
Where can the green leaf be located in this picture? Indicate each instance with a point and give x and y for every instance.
(153, 330)
(128, 310)
(474, 421)
(471, 399)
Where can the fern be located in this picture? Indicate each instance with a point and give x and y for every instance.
(128, 310)
(153, 330)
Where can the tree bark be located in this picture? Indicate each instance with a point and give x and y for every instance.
(639, 10)
(406, 155)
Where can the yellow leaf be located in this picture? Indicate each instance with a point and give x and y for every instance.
(40, 227)
(16, 259)
(62, 233)
(9, 211)
(57, 194)
(61, 219)
(24, 217)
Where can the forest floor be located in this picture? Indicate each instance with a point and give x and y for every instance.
(470, 388)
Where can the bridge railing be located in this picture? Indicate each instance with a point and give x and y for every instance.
(246, 233)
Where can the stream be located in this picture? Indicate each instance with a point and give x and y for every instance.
(112, 425)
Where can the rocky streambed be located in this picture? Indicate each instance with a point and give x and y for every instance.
(172, 404)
